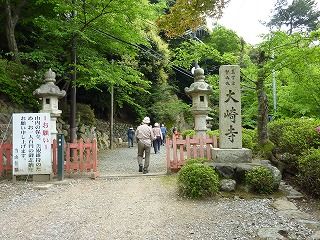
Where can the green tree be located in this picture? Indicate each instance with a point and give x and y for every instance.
(300, 15)
(189, 14)
(294, 60)
(221, 46)
(12, 12)
(105, 31)
(224, 40)
(297, 74)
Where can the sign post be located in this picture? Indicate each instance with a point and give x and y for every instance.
(60, 156)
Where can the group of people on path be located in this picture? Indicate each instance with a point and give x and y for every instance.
(147, 136)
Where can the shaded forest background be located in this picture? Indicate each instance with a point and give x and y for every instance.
(144, 51)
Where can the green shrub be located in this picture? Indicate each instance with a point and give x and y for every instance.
(249, 139)
(309, 171)
(197, 181)
(290, 162)
(260, 180)
(196, 160)
(246, 141)
(294, 136)
(266, 151)
(190, 132)
(213, 132)
(86, 114)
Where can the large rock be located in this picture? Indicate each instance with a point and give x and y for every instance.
(225, 170)
(227, 185)
(237, 171)
(276, 174)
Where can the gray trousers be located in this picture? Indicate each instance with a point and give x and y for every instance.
(143, 149)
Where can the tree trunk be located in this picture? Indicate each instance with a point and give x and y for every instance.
(12, 17)
(262, 103)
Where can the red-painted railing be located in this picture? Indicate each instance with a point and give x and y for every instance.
(84, 157)
(79, 156)
(5, 156)
(179, 149)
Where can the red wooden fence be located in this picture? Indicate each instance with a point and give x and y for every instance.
(179, 149)
(5, 156)
(84, 157)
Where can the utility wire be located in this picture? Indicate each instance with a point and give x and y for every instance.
(148, 50)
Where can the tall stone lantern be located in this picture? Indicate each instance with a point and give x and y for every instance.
(199, 90)
(50, 93)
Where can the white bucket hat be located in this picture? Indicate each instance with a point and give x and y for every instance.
(156, 124)
(146, 120)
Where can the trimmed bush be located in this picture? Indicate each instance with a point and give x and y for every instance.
(260, 180)
(290, 162)
(213, 132)
(197, 181)
(250, 139)
(294, 136)
(309, 171)
(188, 132)
(266, 151)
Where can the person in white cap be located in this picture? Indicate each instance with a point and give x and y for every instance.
(158, 135)
(144, 136)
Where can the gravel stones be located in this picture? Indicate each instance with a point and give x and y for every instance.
(125, 204)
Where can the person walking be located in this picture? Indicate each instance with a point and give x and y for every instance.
(130, 137)
(158, 136)
(164, 134)
(175, 131)
(144, 136)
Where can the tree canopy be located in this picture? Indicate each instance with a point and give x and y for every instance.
(189, 14)
(123, 47)
(300, 15)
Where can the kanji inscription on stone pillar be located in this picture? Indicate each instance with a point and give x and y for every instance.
(230, 127)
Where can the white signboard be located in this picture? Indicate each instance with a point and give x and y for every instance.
(31, 144)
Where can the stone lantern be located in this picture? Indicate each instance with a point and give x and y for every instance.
(50, 93)
(199, 90)
(209, 123)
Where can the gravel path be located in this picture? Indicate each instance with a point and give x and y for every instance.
(136, 206)
(123, 162)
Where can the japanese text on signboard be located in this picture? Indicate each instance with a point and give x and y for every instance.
(31, 143)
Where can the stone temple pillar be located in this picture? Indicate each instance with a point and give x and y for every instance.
(230, 126)
(199, 91)
(50, 93)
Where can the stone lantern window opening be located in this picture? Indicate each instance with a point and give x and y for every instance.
(47, 100)
(201, 98)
